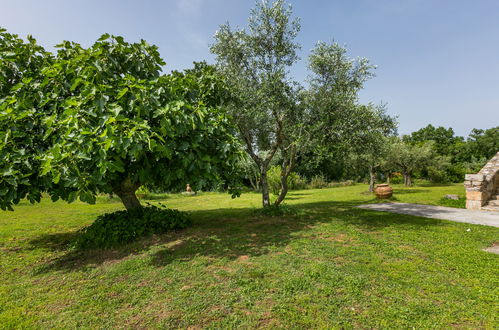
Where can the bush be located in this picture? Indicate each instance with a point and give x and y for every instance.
(276, 210)
(459, 203)
(340, 184)
(121, 227)
(295, 181)
(317, 182)
(438, 175)
(397, 179)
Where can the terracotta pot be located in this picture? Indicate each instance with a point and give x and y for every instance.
(383, 191)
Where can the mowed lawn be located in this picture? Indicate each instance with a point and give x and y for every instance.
(327, 266)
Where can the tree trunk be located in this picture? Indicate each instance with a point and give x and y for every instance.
(254, 183)
(287, 166)
(265, 188)
(126, 192)
(284, 189)
(129, 199)
(371, 179)
(407, 179)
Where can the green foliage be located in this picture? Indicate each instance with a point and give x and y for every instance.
(409, 158)
(336, 116)
(295, 182)
(340, 184)
(438, 169)
(397, 179)
(122, 227)
(275, 114)
(458, 203)
(104, 119)
(277, 210)
(318, 182)
(445, 141)
(483, 143)
(461, 156)
(264, 101)
(249, 172)
(21, 125)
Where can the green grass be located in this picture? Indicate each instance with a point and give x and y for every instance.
(327, 265)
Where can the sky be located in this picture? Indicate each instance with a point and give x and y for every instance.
(437, 60)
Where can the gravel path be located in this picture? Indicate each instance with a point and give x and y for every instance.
(487, 218)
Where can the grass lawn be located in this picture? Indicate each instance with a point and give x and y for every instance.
(328, 266)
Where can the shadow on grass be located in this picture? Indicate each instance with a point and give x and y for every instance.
(228, 233)
(294, 196)
(54, 242)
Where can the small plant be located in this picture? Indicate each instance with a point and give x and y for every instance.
(458, 203)
(277, 210)
(295, 181)
(318, 182)
(340, 184)
(121, 227)
(396, 179)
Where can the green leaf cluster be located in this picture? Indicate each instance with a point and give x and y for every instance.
(105, 119)
(121, 227)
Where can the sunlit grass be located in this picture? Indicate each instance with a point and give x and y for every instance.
(326, 265)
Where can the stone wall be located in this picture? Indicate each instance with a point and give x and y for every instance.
(482, 186)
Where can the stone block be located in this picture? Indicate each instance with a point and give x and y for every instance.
(473, 205)
(474, 177)
(474, 188)
(476, 195)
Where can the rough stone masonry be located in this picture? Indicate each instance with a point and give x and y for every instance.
(482, 186)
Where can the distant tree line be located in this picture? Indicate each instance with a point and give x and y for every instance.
(432, 153)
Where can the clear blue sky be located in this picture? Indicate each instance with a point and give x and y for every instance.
(438, 60)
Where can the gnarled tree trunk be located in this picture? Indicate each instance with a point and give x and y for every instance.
(286, 168)
(407, 179)
(371, 178)
(284, 189)
(126, 192)
(265, 188)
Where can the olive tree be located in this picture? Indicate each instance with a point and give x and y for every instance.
(104, 119)
(409, 158)
(336, 118)
(274, 114)
(255, 63)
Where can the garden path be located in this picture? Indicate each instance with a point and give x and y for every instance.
(487, 218)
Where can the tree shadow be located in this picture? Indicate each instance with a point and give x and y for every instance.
(227, 233)
(294, 196)
(53, 241)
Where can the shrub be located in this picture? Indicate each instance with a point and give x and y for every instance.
(121, 227)
(276, 210)
(340, 184)
(438, 175)
(317, 182)
(274, 178)
(297, 182)
(347, 183)
(397, 179)
(459, 203)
